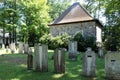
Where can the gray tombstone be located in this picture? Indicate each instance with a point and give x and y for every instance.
(26, 48)
(100, 51)
(112, 65)
(40, 59)
(59, 60)
(12, 47)
(30, 59)
(89, 63)
(72, 50)
(21, 47)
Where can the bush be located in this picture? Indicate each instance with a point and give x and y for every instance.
(80, 40)
(111, 44)
(84, 42)
(90, 41)
(55, 42)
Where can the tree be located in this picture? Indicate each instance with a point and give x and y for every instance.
(9, 16)
(112, 29)
(35, 18)
(57, 7)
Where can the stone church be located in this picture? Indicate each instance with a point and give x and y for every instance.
(77, 19)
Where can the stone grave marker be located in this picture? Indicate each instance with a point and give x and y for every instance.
(12, 47)
(40, 59)
(30, 60)
(112, 65)
(26, 48)
(72, 50)
(100, 51)
(89, 63)
(59, 60)
(21, 47)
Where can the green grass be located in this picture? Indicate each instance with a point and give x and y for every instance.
(13, 67)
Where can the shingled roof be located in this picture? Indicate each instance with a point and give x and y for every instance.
(75, 13)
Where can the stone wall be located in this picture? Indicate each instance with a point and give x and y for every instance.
(86, 28)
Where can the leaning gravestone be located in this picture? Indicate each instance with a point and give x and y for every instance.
(89, 63)
(21, 47)
(72, 50)
(26, 48)
(40, 59)
(30, 59)
(112, 65)
(59, 60)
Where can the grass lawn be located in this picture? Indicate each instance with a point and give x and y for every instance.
(13, 67)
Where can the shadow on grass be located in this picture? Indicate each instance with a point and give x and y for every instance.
(13, 67)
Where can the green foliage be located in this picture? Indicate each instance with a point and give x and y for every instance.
(57, 8)
(81, 43)
(35, 16)
(84, 42)
(112, 28)
(55, 42)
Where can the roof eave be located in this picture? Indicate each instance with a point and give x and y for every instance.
(77, 22)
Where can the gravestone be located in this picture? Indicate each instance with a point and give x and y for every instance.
(40, 59)
(12, 47)
(30, 60)
(112, 65)
(59, 60)
(21, 47)
(3, 46)
(100, 51)
(72, 50)
(26, 48)
(89, 63)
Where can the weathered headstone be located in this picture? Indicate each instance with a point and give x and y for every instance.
(89, 63)
(72, 50)
(59, 60)
(3, 46)
(26, 48)
(112, 65)
(12, 47)
(30, 60)
(40, 58)
(100, 51)
(21, 47)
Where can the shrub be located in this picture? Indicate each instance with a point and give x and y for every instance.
(55, 42)
(81, 43)
(84, 42)
(90, 41)
(111, 44)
